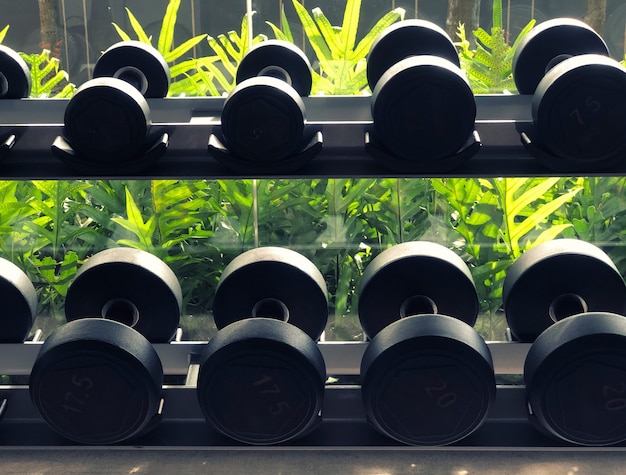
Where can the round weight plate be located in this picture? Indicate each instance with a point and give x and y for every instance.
(404, 39)
(97, 382)
(261, 381)
(556, 280)
(579, 111)
(413, 278)
(15, 81)
(263, 120)
(107, 120)
(575, 375)
(427, 380)
(138, 64)
(276, 283)
(130, 286)
(19, 300)
(423, 109)
(549, 42)
(279, 59)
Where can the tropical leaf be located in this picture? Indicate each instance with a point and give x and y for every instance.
(3, 33)
(341, 61)
(48, 80)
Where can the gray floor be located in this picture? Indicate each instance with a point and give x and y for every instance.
(314, 461)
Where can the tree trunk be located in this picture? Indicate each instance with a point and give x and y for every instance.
(464, 11)
(595, 16)
(49, 21)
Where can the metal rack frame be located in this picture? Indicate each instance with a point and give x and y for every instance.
(29, 128)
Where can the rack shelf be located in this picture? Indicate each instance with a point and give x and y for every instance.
(342, 120)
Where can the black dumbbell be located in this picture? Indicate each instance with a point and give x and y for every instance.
(568, 297)
(263, 121)
(130, 286)
(107, 122)
(15, 83)
(262, 376)
(423, 107)
(15, 80)
(19, 300)
(579, 96)
(427, 377)
(98, 379)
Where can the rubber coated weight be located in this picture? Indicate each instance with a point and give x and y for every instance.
(427, 380)
(263, 118)
(15, 80)
(97, 381)
(556, 280)
(549, 42)
(427, 377)
(574, 375)
(281, 60)
(130, 286)
(579, 111)
(138, 64)
(405, 39)
(423, 107)
(107, 121)
(416, 277)
(261, 382)
(19, 303)
(276, 283)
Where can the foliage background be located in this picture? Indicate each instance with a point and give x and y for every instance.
(49, 228)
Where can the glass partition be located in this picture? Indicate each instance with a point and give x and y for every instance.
(197, 226)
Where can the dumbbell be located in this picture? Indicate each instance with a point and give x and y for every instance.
(423, 108)
(108, 128)
(15, 80)
(19, 300)
(567, 297)
(579, 96)
(261, 378)
(427, 377)
(263, 121)
(15, 83)
(97, 379)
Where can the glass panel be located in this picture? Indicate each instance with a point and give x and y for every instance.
(77, 31)
(50, 227)
(197, 227)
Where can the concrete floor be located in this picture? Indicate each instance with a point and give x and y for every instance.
(278, 461)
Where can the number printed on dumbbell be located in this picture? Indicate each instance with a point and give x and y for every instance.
(591, 105)
(76, 403)
(266, 386)
(617, 395)
(444, 400)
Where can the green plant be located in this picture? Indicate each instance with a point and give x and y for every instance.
(3, 33)
(186, 72)
(47, 79)
(341, 59)
(497, 220)
(489, 67)
(230, 48)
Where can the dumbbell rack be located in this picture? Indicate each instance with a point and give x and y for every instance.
(30, 127)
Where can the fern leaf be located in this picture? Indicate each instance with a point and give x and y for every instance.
(362, 49)
(328, 32)
(166, 36)
(312, 33)
(179, 51)
(3, 33)
(349, 26)
(137, 28)
(123, 35)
